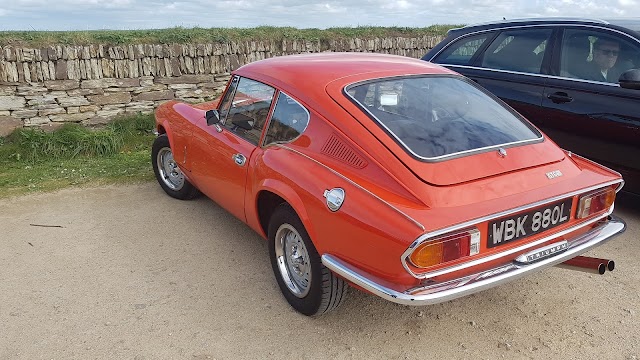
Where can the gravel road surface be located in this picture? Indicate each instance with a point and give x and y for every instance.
(129, 273)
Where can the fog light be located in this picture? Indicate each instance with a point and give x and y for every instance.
(595, 202)
(446, 248)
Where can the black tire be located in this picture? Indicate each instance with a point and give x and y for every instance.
(323, 291)
(167, 172)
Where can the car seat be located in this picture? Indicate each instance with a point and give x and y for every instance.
(575, 53)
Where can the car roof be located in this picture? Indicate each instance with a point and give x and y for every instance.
(627, 25)
(542, 20)
(317, 70)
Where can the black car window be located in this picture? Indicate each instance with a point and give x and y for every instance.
(249, 108)
(517, 50)
(436, 117)
(289, 120)
(596, 55)
(461, 52)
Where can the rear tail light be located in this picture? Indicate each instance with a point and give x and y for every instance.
(446, 248)
(595, 202)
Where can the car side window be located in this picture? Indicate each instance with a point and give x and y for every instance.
(247, 112)
(288, 121)
(225, 104)
(462, 51)
(597, 55)
(517, 50)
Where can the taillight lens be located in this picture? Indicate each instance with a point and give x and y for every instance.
(446, 248)
(595, 202)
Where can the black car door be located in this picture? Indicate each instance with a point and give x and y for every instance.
(595, 117)
(510, 63)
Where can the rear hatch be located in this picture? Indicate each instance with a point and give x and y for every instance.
(444, 128)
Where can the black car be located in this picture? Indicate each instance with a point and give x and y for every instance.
(576, 79)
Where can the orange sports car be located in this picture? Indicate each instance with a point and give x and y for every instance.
(388, 174)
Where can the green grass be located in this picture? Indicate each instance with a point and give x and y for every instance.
(32, 160)
(182, 35)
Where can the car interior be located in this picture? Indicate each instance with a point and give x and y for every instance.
(522, 52)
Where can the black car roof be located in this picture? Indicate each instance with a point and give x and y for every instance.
(620, 24)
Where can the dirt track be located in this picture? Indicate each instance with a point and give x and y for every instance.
(134, 274)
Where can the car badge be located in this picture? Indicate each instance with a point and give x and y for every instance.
(554, 174)
(502, 152)
(542, 253)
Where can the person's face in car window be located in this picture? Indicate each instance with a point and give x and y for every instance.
(605, 54)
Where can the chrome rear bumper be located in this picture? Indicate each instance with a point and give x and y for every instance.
(441, 292)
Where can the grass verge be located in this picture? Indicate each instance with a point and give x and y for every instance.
(180, 35)
(33, 161)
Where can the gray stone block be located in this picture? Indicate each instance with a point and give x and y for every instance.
(12, 103)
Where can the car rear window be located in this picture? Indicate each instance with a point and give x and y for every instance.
(438, 117)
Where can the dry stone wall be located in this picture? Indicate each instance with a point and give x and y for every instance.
(92, 84)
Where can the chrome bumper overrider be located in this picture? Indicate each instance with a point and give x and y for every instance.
(440, 292)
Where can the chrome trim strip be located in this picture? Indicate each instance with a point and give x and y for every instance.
(432, 234)
(533, 74)
(414, 221)
(437, 293)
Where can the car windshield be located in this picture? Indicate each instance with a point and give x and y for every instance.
(437, 117)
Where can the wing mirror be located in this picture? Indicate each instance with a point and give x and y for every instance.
(212, 116)
(630, 79)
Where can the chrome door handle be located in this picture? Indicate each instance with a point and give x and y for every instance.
(239, 159)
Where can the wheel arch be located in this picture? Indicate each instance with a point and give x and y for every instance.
(273, 193)
(165, 129)
(162, 115)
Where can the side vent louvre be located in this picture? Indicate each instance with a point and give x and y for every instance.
(335, 148)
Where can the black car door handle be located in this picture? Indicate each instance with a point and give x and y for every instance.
(560, 97)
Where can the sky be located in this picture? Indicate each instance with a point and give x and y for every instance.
(154, 14)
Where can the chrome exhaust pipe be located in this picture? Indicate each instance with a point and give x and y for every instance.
(588, 264)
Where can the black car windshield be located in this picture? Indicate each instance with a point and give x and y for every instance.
(438, 117)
